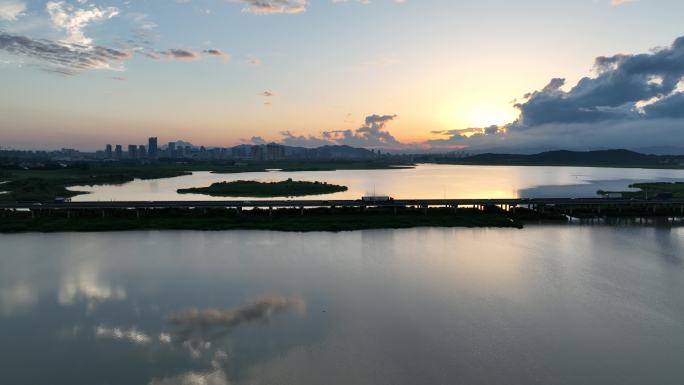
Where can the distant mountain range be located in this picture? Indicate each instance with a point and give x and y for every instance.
(575, 158)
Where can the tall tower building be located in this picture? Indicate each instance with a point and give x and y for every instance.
(108, 151)
(142, 151)
(118, 152)
(172, 149)
(132, 151)
(152, 149)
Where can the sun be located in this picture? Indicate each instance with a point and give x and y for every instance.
(486, 116)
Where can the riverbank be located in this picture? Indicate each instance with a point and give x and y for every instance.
(320, 219)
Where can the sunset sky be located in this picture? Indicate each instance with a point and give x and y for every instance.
(375, 73)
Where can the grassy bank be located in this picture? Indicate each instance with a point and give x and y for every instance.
(246, 188)
(281, 220)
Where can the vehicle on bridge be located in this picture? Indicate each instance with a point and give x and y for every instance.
(376, 199)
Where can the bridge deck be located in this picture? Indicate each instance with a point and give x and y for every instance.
(338, 203)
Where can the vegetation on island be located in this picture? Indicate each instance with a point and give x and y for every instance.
(246, 188)
(653, 190)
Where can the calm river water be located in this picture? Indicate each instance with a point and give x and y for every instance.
(544, 305)
(425, 181)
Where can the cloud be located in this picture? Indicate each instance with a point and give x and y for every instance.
(132, 335)
(62, 58)
(252, 60)
(17, 299)
(372, 134)
(73, 20)
(633, 100)
(622, 83)
(180, 54)
(10, 10)
(257, 140)
(263, 7)
(366, 2)
(291, 139)
(212, 377)
(260, 311)
(215, 53)
(621, 2)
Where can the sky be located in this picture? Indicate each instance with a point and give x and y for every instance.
(407, 75)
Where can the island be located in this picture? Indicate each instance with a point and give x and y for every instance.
(652, 190)
(255, 189)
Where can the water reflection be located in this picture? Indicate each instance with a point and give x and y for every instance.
(425, 181)
(547, 304)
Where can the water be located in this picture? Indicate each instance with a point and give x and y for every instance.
(544, 305)
(425, 181)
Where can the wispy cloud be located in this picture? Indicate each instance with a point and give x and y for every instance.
(10, 10)
(68, 59)
(620, 2)
(263, 7)
(180, 54)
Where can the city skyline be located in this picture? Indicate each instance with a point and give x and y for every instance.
(409, 75)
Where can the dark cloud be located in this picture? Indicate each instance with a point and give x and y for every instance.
(633, 101)
(257, 140)
(668, 107)
(67, 59)
(622, 82)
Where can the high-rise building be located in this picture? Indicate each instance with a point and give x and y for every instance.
(142, 151)
(275, 151)
(118, 152)
(132, 151)
(257, 152)
(108, 151)
(172, 149)
(152, 147)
